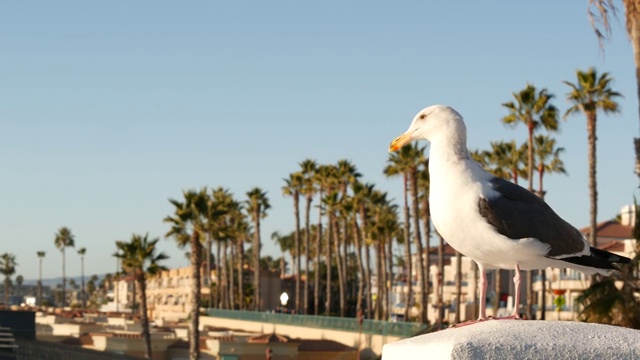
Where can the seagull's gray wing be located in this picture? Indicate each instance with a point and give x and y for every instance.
(517, 213)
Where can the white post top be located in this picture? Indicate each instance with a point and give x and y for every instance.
(520, 339)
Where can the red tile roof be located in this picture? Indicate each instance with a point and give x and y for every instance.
(610, 229)
(614, 246)
(269, 338)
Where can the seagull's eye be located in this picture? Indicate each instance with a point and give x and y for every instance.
(422, 116)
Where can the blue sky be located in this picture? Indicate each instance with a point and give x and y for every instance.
(109, 109)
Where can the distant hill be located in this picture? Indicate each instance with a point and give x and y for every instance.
(58, 280)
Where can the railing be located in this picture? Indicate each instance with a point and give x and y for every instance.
(376, 327)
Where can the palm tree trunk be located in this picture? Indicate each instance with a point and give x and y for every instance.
(358, 250)
(498, 290)
(635, 41)
(64, 279)
(231, 278)
(427, 259)
(366, 265)
(341, 287)
(475, 290)
(218, 293)
(307, 242)
(390, 275)
(413, 181)
(256, 262)
(530, 297)
(208, 261)
(296, 239)
(407, 249)
(543, 272)
(194, 332)
(40, 283)
(144, 316)
(240, 263)
(222, 267)
(593, 187)
(84, 300)
(440, 304)
(328, 259)
(6, 293)
(458, 287)
(316, 265)
(379, 274)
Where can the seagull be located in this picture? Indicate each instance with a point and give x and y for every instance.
(496, 223)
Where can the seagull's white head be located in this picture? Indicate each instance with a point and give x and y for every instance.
(433, 122)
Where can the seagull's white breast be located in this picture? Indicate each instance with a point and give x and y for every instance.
(455, 189)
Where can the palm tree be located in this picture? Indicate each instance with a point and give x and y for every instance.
(292, 188)
(601, 24)
(589, 94)
(41, 255)
(323, 178)
(534, 109)
(548, 161)
(139, 258)
(346, 174)
(257, 206)
(82, 251)
(64, 239)
(188, 227)
(394, 168)
(7, 268)
(19, 281)
(407, 162)
(308, 170)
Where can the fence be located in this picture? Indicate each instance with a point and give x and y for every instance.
(377, 327)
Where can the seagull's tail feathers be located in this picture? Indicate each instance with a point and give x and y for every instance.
(599, 261)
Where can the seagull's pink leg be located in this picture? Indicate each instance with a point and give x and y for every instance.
(516, 305)
(483, 293)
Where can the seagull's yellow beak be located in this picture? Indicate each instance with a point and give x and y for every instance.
(400, 141)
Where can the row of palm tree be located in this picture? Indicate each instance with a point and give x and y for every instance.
(204, 217)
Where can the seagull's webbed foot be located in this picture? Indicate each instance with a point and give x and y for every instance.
(510, 317)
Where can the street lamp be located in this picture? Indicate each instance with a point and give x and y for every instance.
(284, 298)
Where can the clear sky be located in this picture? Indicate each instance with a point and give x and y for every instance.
(107, 109)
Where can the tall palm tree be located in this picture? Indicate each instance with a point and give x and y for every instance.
(64, 239)
(424, 185)
(395, 167)
(7, 268)
(293, 188)
(188, 227)
(548, 161)
(323, 182)
(407, 162)
(139, 258)
(82, 251)
(41, 255)
(590, 93)
(601, 24)
(533, 108)
(308, 170)
(257, 206)
(346, 174)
